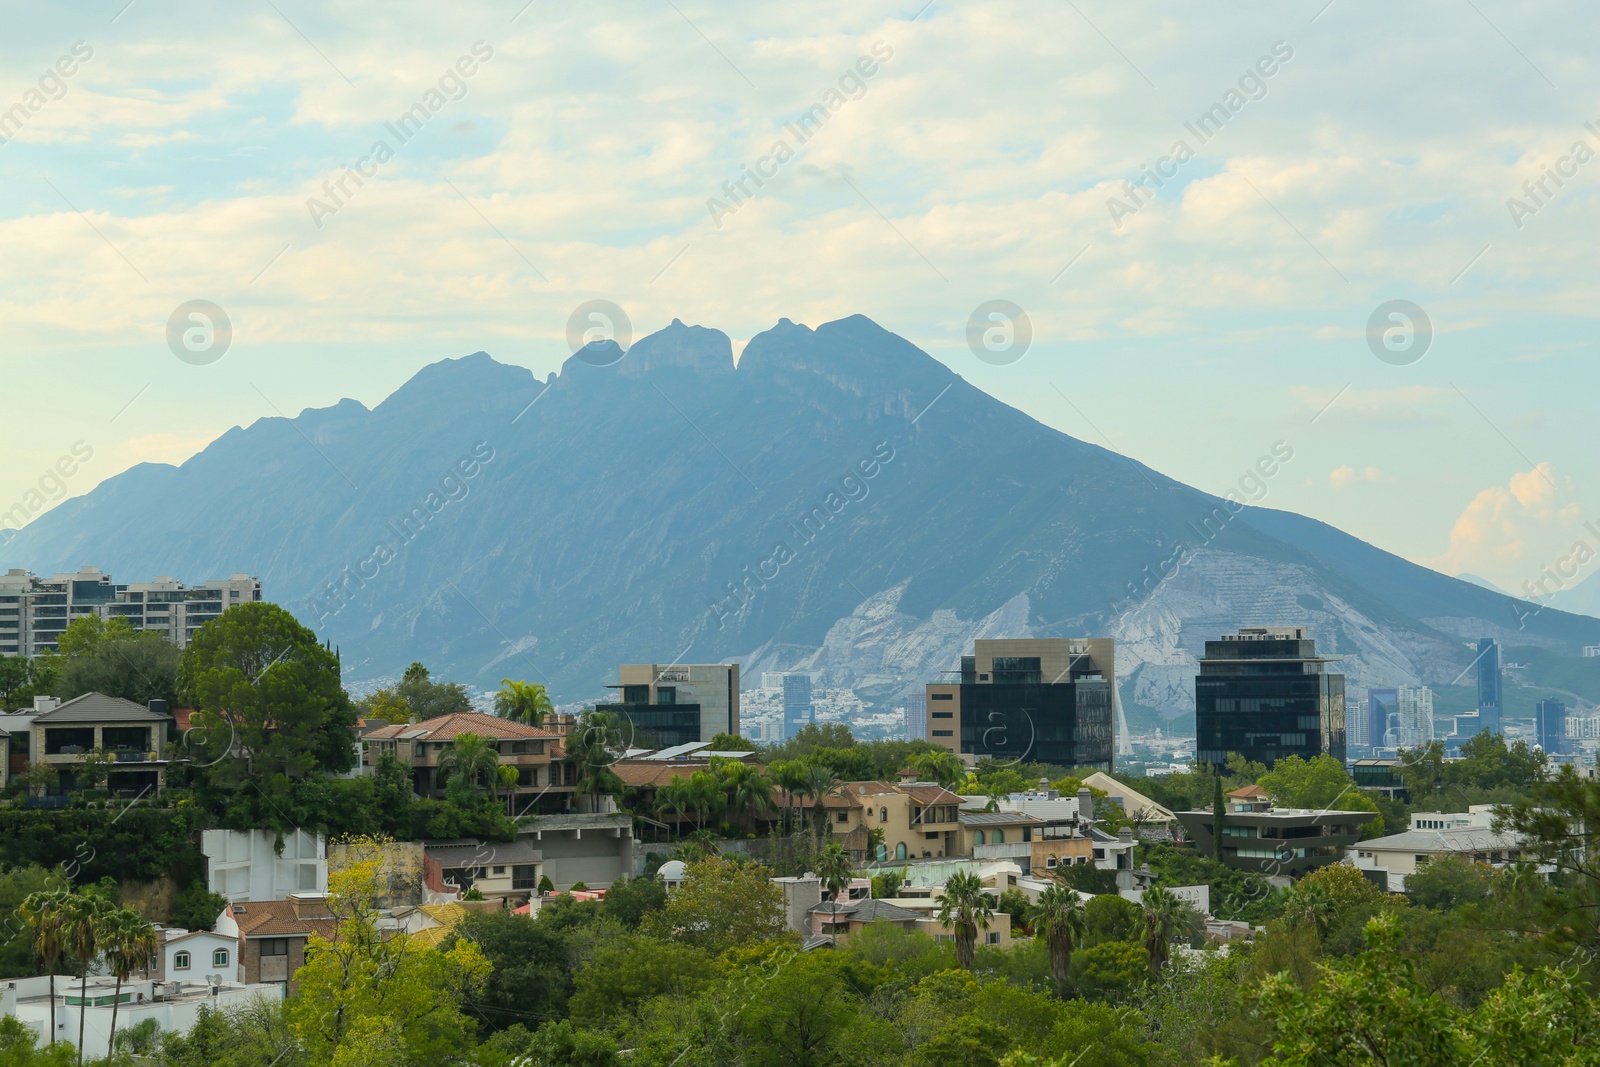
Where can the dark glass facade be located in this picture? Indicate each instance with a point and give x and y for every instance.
(1550, 717)
(661, 725)
(1489, 706)
(1267, 696)
(1068, 723)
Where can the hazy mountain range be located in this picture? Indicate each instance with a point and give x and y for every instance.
(839, 501)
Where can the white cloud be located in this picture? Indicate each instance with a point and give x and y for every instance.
(1344, 476)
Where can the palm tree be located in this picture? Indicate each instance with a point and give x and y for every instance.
(592, 746)
(45, 914)
(526, 702)
(1311, 904)
(128, 942)
(748, 790)
(473, 757)
(964, 910)
(507, 777)
(415, 673)
(1060, 915)
(790, 775)
(81, 931)
(820, 783)
(1164, 918)
(703, 792)
(943, 767)
(835, 869)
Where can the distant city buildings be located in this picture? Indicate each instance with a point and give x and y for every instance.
(1490, 707)
(1383, 708)
(1050, 700)
(797, 709)
(34, 611)
(1415, 712)
(679, 703)
(1266, 694)
(1358, 735)
(916, 716)
(1550, 724)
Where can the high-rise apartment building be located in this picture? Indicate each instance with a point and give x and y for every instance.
(1266, 694)
(797, 708)
(1490, 709)
(678, 703)
(1415, 712)
(1550, 722)
(34, 611)
(916, 717)
(1357, 735)
(1050, 700)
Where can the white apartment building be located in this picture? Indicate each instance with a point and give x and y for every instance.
(34, 611)
(1416, 716)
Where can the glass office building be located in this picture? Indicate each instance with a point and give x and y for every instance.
(1266, 694)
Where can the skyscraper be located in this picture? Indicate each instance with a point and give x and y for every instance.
(1550, 719)
(1382, 707)
(797, 709)
(1358, 736)
(1266, 694)
(1416, 716)
(916, 717)
(1489, 699)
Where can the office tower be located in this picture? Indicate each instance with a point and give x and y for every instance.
(1048, 700)
(1490, 709)
(1550, 721)
(797, 709)
(916, 717)
(676, 704)
(1266, 694)
(34, 611)
(1382, 707)
(1415, 709)
(771, 680)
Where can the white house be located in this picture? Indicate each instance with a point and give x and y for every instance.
(1399, 856)
(246, 865)
(174, 1005)
(196, 955)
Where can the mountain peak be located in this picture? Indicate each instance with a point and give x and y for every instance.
(707, 352)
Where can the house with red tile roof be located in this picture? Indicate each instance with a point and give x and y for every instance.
(544, 781)
(272, 936)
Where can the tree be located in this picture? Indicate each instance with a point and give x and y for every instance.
(1165, 916)
(834, 868)
(726, 742)
(629, 900)
(1111, 918)
(1219, 810)
(526, 702)
(820, 783)
(129, 942)
(94, 769)
(109, 656)
(427, 699)
(887, 883)
(1320, 782)
(385, 704)
(46, 914)
(964, 910)
(38, 777)
(790, 776)
(531, 976)
(17, 1047)
(942, 766)
(1110, 970)
(196, 907)
(597, 740)
(265, 687)
(624, 971)
(473, 757)
(720, 905)
(1059, 915)
(83, 914)
(748, 791)
(1449, 882)
(370, 998)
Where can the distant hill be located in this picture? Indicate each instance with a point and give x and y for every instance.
(839, 502)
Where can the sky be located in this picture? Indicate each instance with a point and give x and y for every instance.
(1359, 231)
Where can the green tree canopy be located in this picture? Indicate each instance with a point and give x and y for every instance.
(720, 905)
(269, 694)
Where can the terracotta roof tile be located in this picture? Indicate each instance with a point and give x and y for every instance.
(277, 918)
(447, 727)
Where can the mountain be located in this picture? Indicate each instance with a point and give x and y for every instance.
(1480, 582)
(1582, 599)
(839, 501)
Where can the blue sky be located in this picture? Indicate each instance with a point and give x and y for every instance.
(977, 161)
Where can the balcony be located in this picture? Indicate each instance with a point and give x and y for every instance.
(1005, 850)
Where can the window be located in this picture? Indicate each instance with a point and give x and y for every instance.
(943, 696)
(843, 816)
(944, 733)
(994, 937)
(500, 870)
(883, 813)
(666, 694)
(900, 851)
(275, 946)
(219, 957)
(883, 853)
(977, 837)
(999, 837)
(1050, 862)
(180, 961)
(943, 714)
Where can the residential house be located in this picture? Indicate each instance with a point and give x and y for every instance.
(914, 820)
(1277, 842)
(264, 865)
(497, 869)
(194, 956)
(175, 1005)
(1138, 807)
(133, 735)
(1390, 860)
(544, 780)
(595, 848)
(272, 935)
(838, 920)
